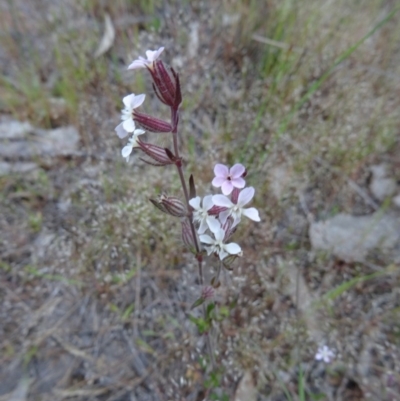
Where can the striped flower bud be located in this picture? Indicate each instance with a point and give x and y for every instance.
(151, 123)
(157, 153)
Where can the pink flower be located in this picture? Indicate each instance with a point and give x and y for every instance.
(228, 179)
(141, 62)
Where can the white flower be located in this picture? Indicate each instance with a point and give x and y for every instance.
(132, 143)
(324, 354)
(131, 102)
(237, 210)
(200, 214)
(217, 245)
(141, 62)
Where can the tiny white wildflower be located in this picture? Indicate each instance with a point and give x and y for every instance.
(324, 354)
(132, 143)
(141, 62)
(131, 102)
(217, 245)
(237, 210)
(200, 214)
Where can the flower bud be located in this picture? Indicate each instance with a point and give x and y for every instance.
(157, 153)
(151, 123)
(158, 204)
(173, 206)
(166, 85)
(187, 236)
(207, 292)
(235, 195)
(228, 228)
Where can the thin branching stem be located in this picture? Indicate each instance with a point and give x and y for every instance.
(174, 116)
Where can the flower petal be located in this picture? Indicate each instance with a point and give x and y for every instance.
(206, 239)
(128, 100)
(227, 187)
(203, 227)
(126, 150)
(218, 181)
(233, 248)
(237, 170)
(209, 249)
(138, 100)
(129, 125)
(195, 202)
(245, 196)
(154, 54)
(119, 129)
(222, 254)
(137, 64)
(207, 202)
(139, 131)
(238, 182)
(222, 200)
(219, 233)
(223, 216)
(213, 223)
(220, 170)
(252, 214)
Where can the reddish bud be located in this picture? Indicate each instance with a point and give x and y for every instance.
(151, 123)
(187, 236)
(208, 292)
(170, 205)
(157, 153)
(235, 195)
(174, 206)
(166, 85)
(157, 203)
(229, 230)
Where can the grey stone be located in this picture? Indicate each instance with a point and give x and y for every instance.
(352, 238)
(55, 142)
(11, 129)
(22, 167)
(382, 186)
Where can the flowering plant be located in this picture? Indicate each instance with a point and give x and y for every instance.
(207, 224)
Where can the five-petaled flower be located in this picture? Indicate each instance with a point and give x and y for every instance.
(228, 179)
(200, 214)
(141, 62)
(131, 102)
(324, 354)
(132, 143)
(217, 245)
(237, 210)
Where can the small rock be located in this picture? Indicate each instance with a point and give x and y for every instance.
(396, 200)
(280, 179)
(56, 142)
(352, 238)
(381, 185)
(10, 129)
(23, 167)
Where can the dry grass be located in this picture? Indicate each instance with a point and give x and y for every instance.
(94, 283)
